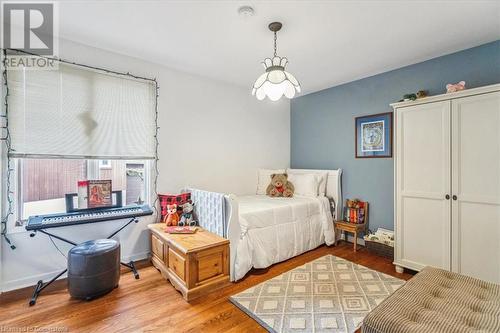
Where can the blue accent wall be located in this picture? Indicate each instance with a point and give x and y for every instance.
(322, 123)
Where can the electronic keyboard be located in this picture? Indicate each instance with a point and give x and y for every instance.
(88, 216)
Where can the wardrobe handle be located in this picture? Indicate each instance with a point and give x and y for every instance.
(447, 197)
(455, 197)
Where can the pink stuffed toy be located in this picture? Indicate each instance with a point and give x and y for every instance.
(455, 87)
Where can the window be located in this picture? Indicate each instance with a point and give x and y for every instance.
(43, 183)
(77, 123)
(76, 112)
(105, 164)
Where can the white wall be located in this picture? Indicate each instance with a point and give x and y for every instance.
(213, 136)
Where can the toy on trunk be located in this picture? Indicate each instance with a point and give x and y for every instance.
(187, 218)
(172, 218)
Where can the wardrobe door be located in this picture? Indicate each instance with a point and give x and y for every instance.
(422, 184)
(476, 186)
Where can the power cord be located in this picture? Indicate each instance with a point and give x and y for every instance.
(57, 248)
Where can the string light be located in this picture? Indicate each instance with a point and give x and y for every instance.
(157, 144)
(8, 149)
(7, 139)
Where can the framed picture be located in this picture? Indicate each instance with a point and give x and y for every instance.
(99, 193)
(373, 136)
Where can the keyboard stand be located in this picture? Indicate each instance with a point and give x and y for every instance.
(41, 285)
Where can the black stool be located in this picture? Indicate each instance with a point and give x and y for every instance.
(93, 268)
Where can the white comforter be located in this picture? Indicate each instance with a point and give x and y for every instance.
(276, 229)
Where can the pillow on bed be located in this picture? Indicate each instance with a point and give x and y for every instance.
(305, 184)
(264, 177)
(322, 177)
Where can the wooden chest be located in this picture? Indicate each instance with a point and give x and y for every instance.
(195, 264)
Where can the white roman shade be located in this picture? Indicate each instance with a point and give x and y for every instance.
(78, 112)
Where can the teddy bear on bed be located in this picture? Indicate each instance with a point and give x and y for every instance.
(280, 186)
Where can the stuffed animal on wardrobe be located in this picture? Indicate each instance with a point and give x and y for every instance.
(414, 96)
(172, 218)
(280, 186)
(455, 87)
(187, 218)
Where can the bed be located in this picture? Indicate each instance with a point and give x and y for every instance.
(264, 230)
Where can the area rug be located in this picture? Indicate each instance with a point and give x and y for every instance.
(329, 294)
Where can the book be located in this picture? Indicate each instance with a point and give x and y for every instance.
(99, 193)
(180, 230)
(354, 211)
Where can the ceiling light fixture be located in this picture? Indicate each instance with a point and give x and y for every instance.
(275, 82)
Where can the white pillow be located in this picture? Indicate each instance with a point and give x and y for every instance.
(305, 184)
(264, 179)
(322, 178)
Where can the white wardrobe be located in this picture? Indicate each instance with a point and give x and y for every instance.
(447, 183)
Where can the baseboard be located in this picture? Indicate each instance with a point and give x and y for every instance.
(30, 280)
(136, 257)
(350, 238)
(33, 279)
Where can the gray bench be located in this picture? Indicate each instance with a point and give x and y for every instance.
(435, 300)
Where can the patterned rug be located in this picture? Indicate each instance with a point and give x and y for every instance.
(329, 294)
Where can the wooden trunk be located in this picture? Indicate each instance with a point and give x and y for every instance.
(195, 264)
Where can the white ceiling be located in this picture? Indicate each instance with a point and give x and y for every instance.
(327, 42)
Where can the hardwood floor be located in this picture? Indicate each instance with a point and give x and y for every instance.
(151, 304)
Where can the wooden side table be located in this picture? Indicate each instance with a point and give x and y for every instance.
(349, 227)
(195, 264)
(353, 228)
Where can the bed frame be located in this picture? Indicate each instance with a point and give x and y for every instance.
(218, 212)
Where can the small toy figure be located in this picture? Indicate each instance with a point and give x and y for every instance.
(455, 87)
(414, 96)
(421, 94)
(187, 218)
(409, 97)
(172, 218)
